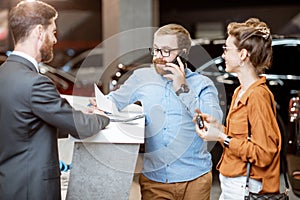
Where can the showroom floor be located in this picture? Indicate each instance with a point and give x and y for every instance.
(65, 153)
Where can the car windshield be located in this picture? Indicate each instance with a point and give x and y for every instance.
(290, 65)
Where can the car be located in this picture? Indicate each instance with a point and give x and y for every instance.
(293, 160)
(89, 67)
(294, 113)
(86, 65)
(67, 83)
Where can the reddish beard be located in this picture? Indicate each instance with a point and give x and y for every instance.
(47, 50)
(159, 61)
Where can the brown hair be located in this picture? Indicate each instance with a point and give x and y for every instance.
(254, 36)
(26, 15)
(183, 36)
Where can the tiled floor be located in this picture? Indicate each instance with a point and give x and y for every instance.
(65, 153)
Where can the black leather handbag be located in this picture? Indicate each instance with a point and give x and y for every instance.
(279, 196)
(267, 196)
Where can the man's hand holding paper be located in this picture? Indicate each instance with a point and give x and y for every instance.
(108, 107)
(104, 104)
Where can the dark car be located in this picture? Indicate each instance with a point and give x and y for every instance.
(293, 159)
(294, 112)
(67, 83)
(89, 66)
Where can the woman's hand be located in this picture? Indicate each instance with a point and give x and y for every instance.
(212, 130)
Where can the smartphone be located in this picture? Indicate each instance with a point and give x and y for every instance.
(183, 60)
(199, 121)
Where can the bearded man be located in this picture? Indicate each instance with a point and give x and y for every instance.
(177, 164)
(32, 111)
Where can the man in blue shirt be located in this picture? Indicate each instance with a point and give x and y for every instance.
(176, 160)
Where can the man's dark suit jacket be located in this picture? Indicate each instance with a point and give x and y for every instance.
(31, 112)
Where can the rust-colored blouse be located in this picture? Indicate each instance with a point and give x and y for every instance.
(264, 149)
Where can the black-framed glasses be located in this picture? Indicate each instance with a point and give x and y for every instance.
(163, 52)
(225, 48)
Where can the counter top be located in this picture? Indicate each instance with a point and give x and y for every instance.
(115, 132)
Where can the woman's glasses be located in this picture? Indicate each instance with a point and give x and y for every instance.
(226, 48)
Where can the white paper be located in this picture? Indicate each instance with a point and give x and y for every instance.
(111, 110)
(103, 103)
(115, 132)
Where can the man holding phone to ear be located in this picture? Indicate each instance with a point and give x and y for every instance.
(177, 164)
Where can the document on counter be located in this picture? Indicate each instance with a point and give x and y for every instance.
(129, 126)
(103, 103)
(111, 110)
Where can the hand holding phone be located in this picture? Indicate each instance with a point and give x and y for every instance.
(183, 60)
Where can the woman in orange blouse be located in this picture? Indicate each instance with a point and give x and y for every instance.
(247, 52)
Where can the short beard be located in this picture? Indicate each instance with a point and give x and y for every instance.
(158, 69)
(47, 51)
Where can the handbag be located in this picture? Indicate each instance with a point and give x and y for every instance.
(269, 196)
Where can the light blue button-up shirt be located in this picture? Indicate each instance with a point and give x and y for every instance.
(173, 150)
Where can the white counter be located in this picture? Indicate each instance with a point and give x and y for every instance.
(115, 132)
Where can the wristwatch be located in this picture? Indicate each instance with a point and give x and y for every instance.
(227, 141)
(183, 89)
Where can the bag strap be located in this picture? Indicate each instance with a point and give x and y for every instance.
(248, 163)
(282, 163)
(284, 169)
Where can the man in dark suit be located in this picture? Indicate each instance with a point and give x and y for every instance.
(32, 111)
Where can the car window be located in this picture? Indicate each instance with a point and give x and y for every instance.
(286, 60)
(90, 61)
(77, 65)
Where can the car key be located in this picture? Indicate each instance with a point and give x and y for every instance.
(199, 121)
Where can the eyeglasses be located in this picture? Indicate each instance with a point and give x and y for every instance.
(163, 52)
(225, 48)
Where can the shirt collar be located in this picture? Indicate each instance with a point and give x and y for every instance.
(27, 57)
(260, 81)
